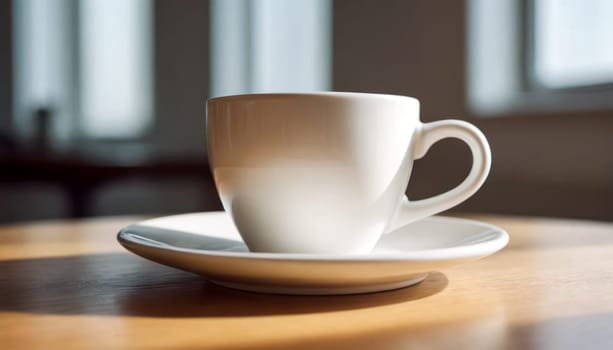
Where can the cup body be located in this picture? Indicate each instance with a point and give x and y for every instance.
(319, 173)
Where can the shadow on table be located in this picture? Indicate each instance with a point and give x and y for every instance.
(123, 284)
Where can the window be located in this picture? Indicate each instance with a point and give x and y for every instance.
(115, 67)
(88, 64)
(85, 69)
(539, 55)
(270, 46)
(573, 42)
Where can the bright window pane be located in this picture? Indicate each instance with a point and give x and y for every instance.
(573, 42)
(42, 67)
(115, 51)
(291, 45)
(270, 46)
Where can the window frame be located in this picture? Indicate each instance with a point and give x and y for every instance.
(521, 93)
(528, 18)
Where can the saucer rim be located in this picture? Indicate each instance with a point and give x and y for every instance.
(465, 251)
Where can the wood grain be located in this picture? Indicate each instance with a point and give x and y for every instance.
(69, 285)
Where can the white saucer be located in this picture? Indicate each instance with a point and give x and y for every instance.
(208, 244)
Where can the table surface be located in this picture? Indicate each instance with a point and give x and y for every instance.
(69, 285)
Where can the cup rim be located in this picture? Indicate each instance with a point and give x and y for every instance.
(328, 94)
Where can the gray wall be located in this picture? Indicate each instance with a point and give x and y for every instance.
(558, 164)
(181, 76)
(181, 55)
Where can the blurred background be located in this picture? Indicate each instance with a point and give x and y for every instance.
(102, 102)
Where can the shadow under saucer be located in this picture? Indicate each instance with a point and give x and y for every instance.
(123, 284)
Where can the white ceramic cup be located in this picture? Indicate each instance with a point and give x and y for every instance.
(326, 173)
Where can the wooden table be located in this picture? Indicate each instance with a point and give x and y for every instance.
(69, 285)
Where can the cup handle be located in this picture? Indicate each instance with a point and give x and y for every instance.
(427, 135)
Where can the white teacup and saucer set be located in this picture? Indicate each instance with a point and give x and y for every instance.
(313, 190)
